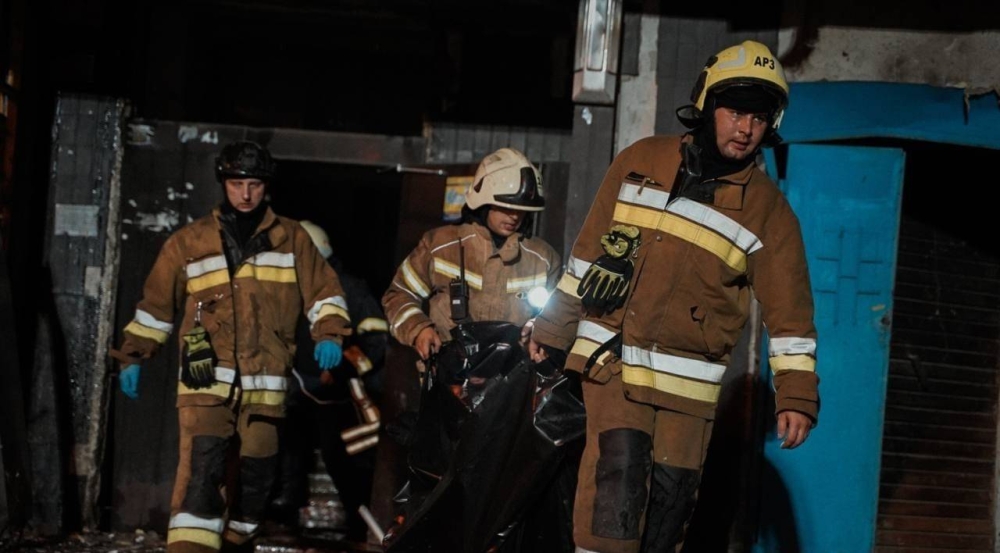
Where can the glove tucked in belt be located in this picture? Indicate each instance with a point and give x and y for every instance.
(198, 359)
(604, 287)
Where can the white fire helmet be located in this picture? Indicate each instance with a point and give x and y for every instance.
(506, 178)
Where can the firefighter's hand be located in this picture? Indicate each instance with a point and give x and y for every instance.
(794, 428)
(526, 333)
(427, 343)
(537, 351)
(328, 354)
(128, 380)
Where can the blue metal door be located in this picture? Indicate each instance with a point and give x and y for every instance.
(822, 497)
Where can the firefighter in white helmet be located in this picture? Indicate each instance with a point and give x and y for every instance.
(683, 231)
(492, 246)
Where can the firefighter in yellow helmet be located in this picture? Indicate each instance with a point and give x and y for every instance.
(683, 231)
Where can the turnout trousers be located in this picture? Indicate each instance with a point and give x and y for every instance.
(227, 466)
(639, 474)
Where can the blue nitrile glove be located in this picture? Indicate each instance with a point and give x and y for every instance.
(128, 379)
(328, 354)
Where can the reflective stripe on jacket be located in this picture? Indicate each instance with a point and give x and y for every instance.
(691, 288)
(498, 279)
(250, 317)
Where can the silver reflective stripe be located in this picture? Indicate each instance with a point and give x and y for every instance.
(264, 382)
(225, 374)
(708, 217)
(145, 319)
(273, 259)
(313, 314)
(577, 267)
(672, 364)
(222, 374)
(792, 346)
(593, 332)
(187, 520)
(538, 255)
(649, 197)
(206, 265)
(245, 528)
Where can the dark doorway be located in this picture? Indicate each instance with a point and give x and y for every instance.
(357, 205)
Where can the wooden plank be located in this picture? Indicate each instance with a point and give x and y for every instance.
(938, 479)
(942, 387)
(951, 341)
(923, 509)
(915, 414)
(939, 496)
(942, 432)
(972, 375)
(931, 463)
(944, 403)
(936, 524)
(919, 286)
(952, 542)
(983, 326)
(930, 354)
(955, 450)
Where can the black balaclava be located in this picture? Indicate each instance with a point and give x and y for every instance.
(243, 224)
(747, 99)
(479, 215)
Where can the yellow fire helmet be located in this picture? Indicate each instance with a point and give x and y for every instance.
(319, 238)
(747, 63)
(507, 179)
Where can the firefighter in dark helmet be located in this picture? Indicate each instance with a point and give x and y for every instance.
(241, 276)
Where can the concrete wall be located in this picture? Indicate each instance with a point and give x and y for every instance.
(950, 44)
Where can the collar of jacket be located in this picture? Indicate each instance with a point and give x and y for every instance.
(728, 190)
(508, 252)
(277, 232)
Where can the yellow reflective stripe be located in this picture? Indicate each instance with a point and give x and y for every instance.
(686, 230)
(792, 363)
(373, 324)
(208, 280)
(194, 535)
(586, 348)
(269, 274)
(331, 309)
(706, 239)
(523, 283)
(569, 284)
(639, 216)
(144, 331)
(263, 397)
(449, 269)
(677, 385)
(413, 282)
(220, 389)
